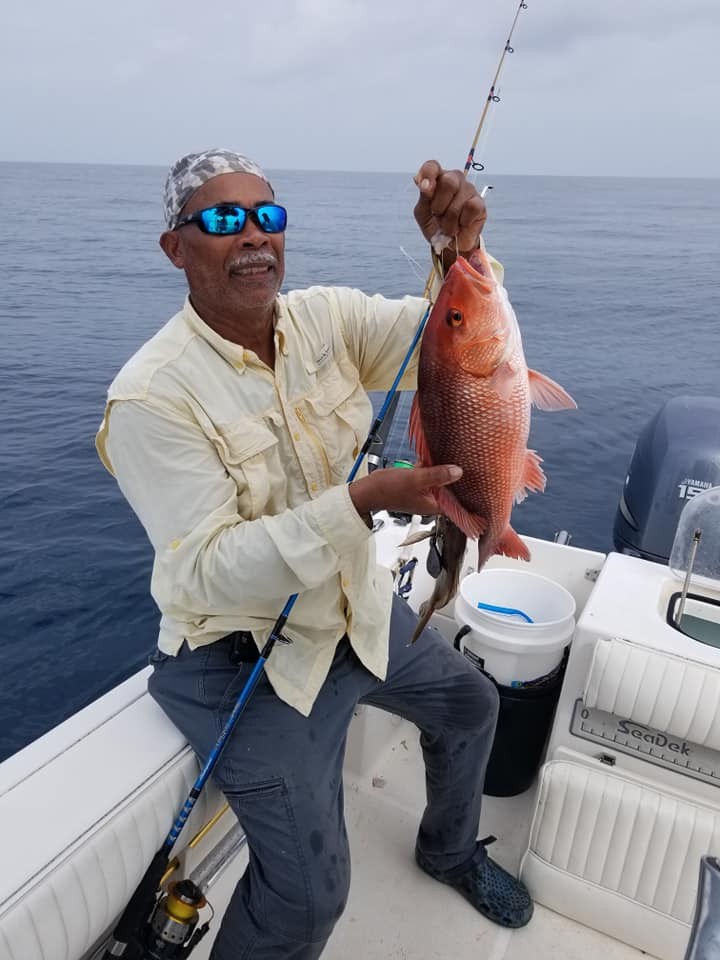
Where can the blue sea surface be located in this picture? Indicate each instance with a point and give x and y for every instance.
(614, 281)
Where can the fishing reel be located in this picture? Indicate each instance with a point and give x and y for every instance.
(165, 924)
(172, 931)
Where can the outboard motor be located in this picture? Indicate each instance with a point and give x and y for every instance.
(676, 457)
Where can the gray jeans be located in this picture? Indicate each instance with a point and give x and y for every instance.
(282, 774)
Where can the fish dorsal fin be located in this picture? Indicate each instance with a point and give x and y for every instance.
(417, 435)
(545, 394)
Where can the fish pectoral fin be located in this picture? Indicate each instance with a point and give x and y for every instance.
(417, 435)
(533, 478)
(471, 524)
(545, 394)
(504, 379)
(511, 545)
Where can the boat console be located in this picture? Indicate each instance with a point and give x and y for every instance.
(629, 799)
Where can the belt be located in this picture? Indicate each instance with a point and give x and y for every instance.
(242, 648)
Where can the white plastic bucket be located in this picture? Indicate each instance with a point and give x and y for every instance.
(510, 649)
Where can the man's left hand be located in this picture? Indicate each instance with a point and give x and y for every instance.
(449, 204)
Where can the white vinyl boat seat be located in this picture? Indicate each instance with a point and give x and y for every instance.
(63, 885)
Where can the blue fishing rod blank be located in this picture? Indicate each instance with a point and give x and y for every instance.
(129, 927)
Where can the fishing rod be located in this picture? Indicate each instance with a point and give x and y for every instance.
(493, 97)
(166, 929)
(156, 927)
(375, 457)
(470, 164)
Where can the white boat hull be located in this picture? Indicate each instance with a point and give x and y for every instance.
(83, 809)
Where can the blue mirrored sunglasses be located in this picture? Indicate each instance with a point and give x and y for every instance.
(226, 219)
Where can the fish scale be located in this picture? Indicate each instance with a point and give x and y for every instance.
(479, 443)
(472, 408)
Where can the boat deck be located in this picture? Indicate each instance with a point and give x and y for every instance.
(396, 912)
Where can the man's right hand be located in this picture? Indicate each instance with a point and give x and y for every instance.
(401, 490)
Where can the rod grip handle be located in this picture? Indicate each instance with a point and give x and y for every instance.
(141, 903)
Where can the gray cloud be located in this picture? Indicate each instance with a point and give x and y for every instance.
(619, 87)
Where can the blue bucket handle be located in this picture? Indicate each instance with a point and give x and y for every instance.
(509, 611)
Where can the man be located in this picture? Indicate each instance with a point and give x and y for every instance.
(231, 434)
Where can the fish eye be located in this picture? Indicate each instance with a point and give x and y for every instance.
(454, 318)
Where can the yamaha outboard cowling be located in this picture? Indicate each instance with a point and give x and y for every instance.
(676, 457)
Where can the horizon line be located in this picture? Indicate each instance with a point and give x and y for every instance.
(594, 176)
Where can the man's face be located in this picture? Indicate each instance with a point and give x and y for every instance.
(228, 274)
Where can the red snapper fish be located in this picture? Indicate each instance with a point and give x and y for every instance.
(472, 408)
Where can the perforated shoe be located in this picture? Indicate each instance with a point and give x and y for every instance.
(494, 892)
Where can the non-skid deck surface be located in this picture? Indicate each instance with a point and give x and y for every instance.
(396, 912)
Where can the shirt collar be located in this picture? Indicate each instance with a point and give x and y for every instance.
(235, 353)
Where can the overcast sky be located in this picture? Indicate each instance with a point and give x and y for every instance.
(595, 87)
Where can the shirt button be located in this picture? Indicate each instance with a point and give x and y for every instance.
(345, 582)
(296, 435)
(313, 487)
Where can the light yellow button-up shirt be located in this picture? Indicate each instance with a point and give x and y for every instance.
(238, 474)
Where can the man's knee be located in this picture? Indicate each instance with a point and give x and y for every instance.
(313, 915)
(328, 909)
(485, 705)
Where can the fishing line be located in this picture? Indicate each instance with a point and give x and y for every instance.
(416, 266)
(412, 244)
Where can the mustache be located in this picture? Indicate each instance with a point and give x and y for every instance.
(253, 258)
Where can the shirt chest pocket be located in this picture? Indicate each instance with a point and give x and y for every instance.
(341, 414)
(249, 451)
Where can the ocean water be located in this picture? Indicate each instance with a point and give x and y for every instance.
(614, 282)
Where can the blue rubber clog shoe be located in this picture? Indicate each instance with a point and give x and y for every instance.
(494, 892)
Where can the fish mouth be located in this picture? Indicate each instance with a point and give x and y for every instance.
(474, 271)
(477, 269)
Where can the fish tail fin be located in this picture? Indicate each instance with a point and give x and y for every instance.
(533, 478)
(511, 545)
(453, 551)
(545, 394)
(417, 435)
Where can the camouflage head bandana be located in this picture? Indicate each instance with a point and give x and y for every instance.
(190, 172)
